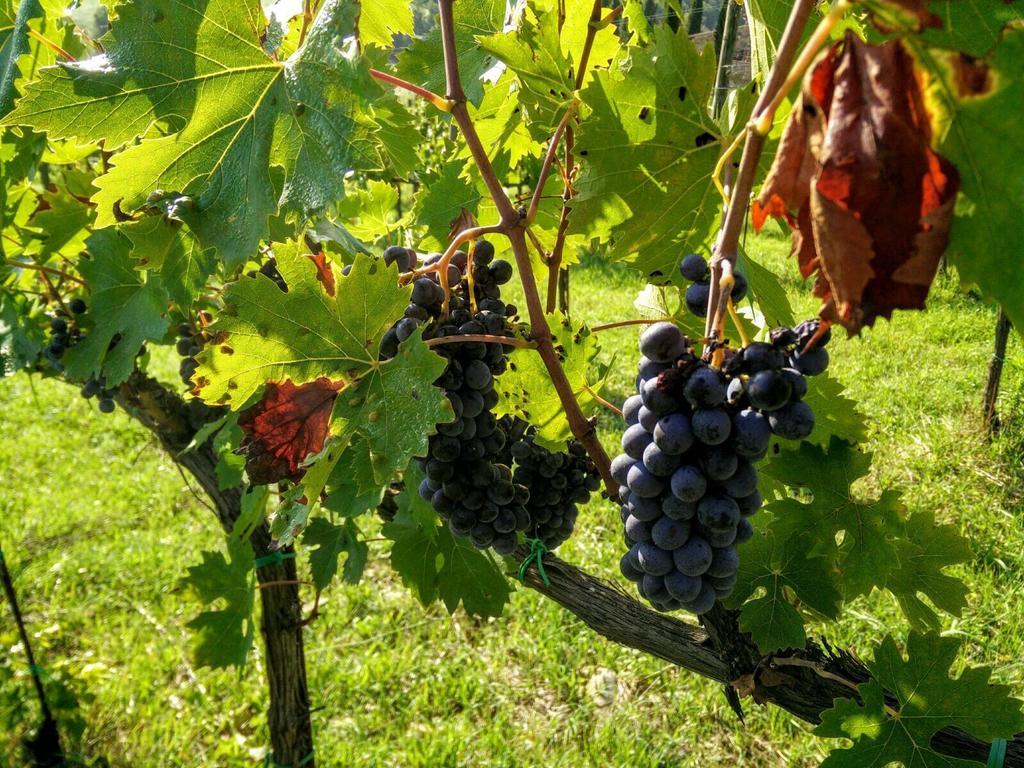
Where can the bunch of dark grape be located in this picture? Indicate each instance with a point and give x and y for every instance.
(695, 269)
(558, 482)
(189, 345)
(687, 475)
(62, 334)
(466, 480)
(97, 387)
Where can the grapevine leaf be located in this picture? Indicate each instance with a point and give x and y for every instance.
(874, 233)
(970, 26)
(287, 424)
(328, 542)
(224, 636)
(124, 302)
(434, 564)
(198, 70)
(301, 335)
(976, 102)
(545, 74)
(352, 488)
(423, 62)
(649, 148)
(527, 392)
(923, 552)
(926, 700)
(63, 220)
(500, 123)
(441, 201)
(229, 463)
(20, 342)
(772, 303)
(381, 20)
(395, 407)
(369, 214)
(867, 555)
(780, 563)
(168, 247)
(14, 41)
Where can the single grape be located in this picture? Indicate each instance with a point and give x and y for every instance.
(721, 537)
(768, 390)
(694, 268)
(658, 462)
(672, 434)
(650, 369)
(743, 481)
(629, 565)
(718, 512)
(724, 562)
(794, 421)
(657, 399)
(711, 425)
(751, 433)
(677, 509)
(646, 509)
(681, 586)
(648, 419)
(106, 405)
(694, 557)
(810, 363)
(761, 356)
(696, 297)
(688, 483)
(396, 254)
(637, 531)
(653, 559)
(704, 601)
(744, 531)
(620, 467)
(662, 342)
(797, 383)
(501, 271)
(77, 306)
(635, 441)
(749, 504)
(719, 463)
(643, 483)
(670, 534)
(739, 287)
(705, 388)
(631, 409)
(723, 586)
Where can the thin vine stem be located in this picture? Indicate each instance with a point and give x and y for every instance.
(41, 268)
(549, 158)
(438, 101)
(624, 323)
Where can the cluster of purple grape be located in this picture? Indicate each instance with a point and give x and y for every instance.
(558, 481)
(467, 482)
(688, 484)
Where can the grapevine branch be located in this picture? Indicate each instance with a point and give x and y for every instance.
(728, 238)
(514, 220)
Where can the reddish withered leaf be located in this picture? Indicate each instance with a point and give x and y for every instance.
(284, 427)
(869, 202)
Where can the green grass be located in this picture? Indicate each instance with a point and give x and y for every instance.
(98, 527)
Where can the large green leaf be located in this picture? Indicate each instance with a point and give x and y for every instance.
(124, 302)
(926, 700)
(328, 542)
(777, 564)
(168, 247)
(224, 634)
(971, 26)
(196, 71)
(301, 335)
(649, 148)
(380, 20)
(978, 129)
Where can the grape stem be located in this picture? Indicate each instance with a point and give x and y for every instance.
(549, 158)
(508, 341)
(44, 270)
(438, 101)
(624, 323)
(610, 406)
(728, 238)
(512, 219)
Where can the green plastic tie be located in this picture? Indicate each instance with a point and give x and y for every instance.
(537, 552)
(997, 755)
(274, 558)
(36, 670)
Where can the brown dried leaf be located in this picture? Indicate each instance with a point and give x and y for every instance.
(288, 424)
(872, 201)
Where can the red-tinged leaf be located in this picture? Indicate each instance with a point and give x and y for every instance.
(869, 201)
(323, 271)
(288, 424)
